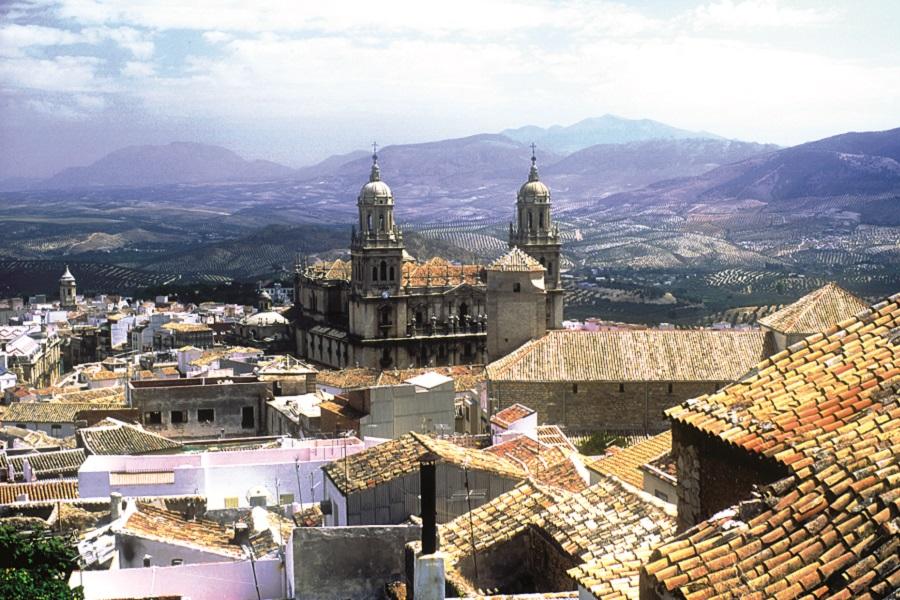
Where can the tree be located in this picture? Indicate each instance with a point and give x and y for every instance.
(36, 565)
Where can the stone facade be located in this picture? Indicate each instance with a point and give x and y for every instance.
(713, 475)
(516, 303)
(201, 407)
(383, 309)
(599, 405)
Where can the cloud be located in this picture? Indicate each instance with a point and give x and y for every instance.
(59, 74)
(138, 69)
(750, 14)
(216, 37)
(16, 39)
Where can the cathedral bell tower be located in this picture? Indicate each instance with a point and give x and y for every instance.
(376, 249)
(535, 233)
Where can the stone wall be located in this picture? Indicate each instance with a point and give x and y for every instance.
(713, 475)
(349, 562)
(227, 400)
(599, 405)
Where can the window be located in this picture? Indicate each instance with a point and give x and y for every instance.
(530, 221)
(661, 495)
(231, 502)
(550, 268)
(56, 428)
(383, 270)
(374, 273)
(247, 418)
(669, 389)
(381, 222)
(621, 388)
(21, 426)
(517, 287)
(179, 417)
(206, 415)
(574, 388)
(369, 222)
(392, 273)
(153, 418)
(286, 499)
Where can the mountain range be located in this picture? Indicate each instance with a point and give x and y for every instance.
(483, 155)
(856, 168)
(608, 129)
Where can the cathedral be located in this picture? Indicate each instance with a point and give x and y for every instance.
(384, 309)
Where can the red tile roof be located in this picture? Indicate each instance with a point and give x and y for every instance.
(511, 414)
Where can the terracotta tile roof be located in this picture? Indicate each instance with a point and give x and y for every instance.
(816, 311)
(812, 391)
(608, 524)
(51, 412)
(112, 436)
(546, 464)
(497, 521)
(516, 260)
(186, 327)
(663, 467)
(828, 408)
(650, 355)
(439, 272)
(625, 464)
(828, 530)
(338, 269)
(511, 414)
(64, 463)
(552, 435)
(39, 490)
(104, 375)
(171, 527)
(465, 377)
(106, 395)
(347, 379)
(399, 457)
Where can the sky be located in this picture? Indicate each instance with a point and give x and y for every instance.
(297, 81)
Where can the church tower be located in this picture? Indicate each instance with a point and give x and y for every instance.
(535, 234)
(376, 254)
(67, 289)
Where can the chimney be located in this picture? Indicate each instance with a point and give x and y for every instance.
(115, 506)
(427, 484)
(241, 534)
(147, 559)
(27, 471)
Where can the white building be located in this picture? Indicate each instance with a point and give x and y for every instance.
(230, 479)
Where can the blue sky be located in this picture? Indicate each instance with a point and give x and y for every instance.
(297, 81)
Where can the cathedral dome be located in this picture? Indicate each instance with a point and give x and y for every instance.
(534, 189)
(375, 191)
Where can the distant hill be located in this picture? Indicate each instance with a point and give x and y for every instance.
(608, 129)
(851, 166)
(178, 162)
(600, 168)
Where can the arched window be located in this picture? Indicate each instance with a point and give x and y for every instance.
(550, 268)
(386, 315)
(530, 222)
(418, 317)
(374, 273)
(369, 222)
(463, 310)
(541, 219)
(392, 274)
(381, 222)
(383, 270)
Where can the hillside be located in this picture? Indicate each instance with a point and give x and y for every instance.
(178, 162)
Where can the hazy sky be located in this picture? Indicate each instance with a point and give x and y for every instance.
(295, 81)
